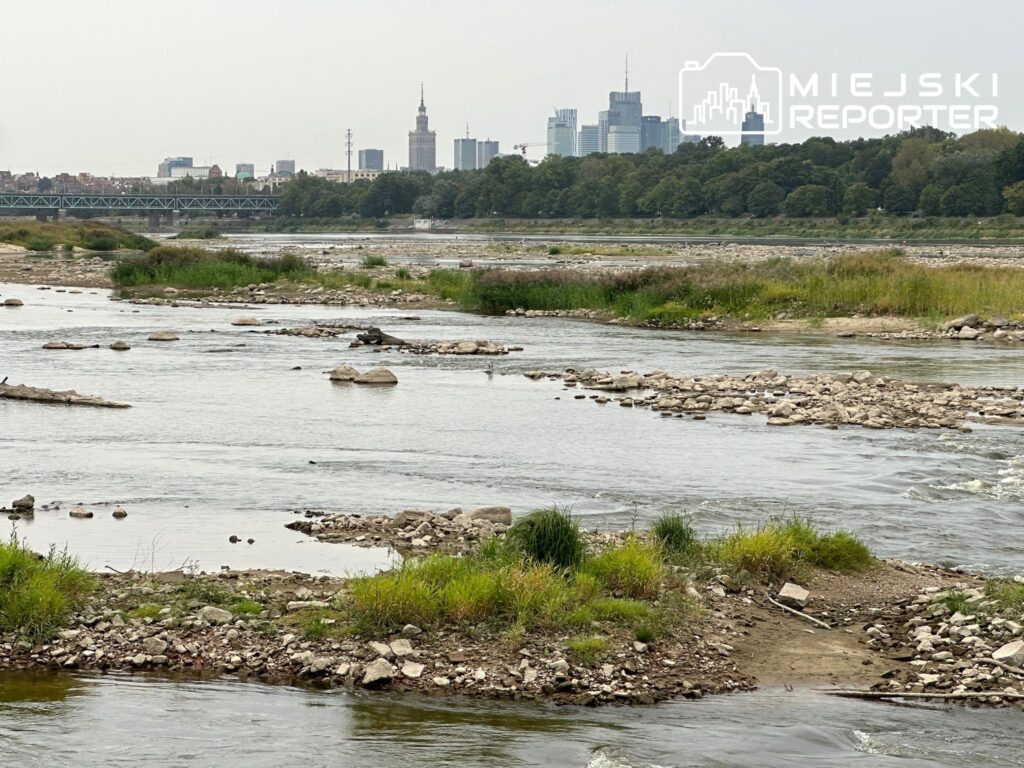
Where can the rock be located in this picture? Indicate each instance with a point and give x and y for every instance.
(729, 583)
(376, 376)
(13, 303)
(966, 321)
(793, 595)
(401, 648)
(441, 682)
(968, 333)
(154, 645)
(412, 669)
(344, 373)
(215, 615)
(79, 511)
(410, 630)
(139, 660)
(639, 647)
(494, 514)
(1011, 653)
(120, 513)
(55, 345)
(377, 673)
(120, 346)
(163, 336)
(381, 649)
(466, 348)
(246, 321)
(25, 504)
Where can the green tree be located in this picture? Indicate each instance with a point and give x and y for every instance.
(808, 200)
(765, 199)
(1014, 195)
(859, 199)
(930, 201)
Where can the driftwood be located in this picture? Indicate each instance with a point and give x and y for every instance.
(40, 395)
(376, 336)
(1002, 665)
(919, 694)
(795, 612)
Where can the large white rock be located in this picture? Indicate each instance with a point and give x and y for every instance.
(163, 336)
(793, 595)
(344, 373)
(1011, 653)
(412, 669)
(501, 515)
(378, 672)
(246, 321)
(376, 376)
(215, 615)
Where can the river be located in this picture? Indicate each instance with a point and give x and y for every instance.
(226, 437)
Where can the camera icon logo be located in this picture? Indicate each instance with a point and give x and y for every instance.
(730, 94)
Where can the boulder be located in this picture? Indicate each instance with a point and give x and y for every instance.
(966, 321)
(344, 373)
(55, 345)
(401, 648)
(13, 303)
(1011, 653)
(412, 669)
(378, 672)
(376, 376)
(120, 346)
(25, 504)
(969, 333)
(154, 646)
(120, 513)
(501, 515)
(466, 348)
(246, 321)
(79, 511)
(215, 615)
(793, 595)
(163, 336)
(381, 649)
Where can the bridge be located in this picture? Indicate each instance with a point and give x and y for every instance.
(40, 203)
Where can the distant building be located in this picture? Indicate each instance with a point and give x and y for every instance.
(422, 142)
(589, 140)
(191, 172)
(170, 163)
(562, 133)
(245, 171)
(216, 172)
(465, 154)
(623, 139)
(343, 176)
(752, 129)
(624, 112)
(485, 152)
(371, 159)
(658, 133)
(284, 168)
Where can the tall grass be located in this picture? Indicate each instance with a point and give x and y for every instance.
(874, 283)
(634, 569)
(548, 536)
(38, 593)
(91, 235)
(675, 534)
(191, 267)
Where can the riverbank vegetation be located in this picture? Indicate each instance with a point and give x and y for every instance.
(70, 234)
(198, 233)
(924, 172)
(192, 267)
(38, 593)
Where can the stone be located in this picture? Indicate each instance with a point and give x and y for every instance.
(966, 321)
(377, 673)
(215, 615)
(154, 645)
(25, 504)
(376, 376)
(412, 669)
(13, 303)
(793, 595)
(120, 346)
(729, 583)
(639, 647)
(466, 348)
(1011, 653)
(410, 630)
(79, 511)
(120, 513)
(55, 345)
(163, 336)
(246, 321)
(381, 649)
(139, 660)
(344, 373)
(502, 515)
(401, 648)
(441, 682)
(968, 333)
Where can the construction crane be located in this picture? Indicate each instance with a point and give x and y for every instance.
(525, 145)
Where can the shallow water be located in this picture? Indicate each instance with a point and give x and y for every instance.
(123, 721)
(223, 435)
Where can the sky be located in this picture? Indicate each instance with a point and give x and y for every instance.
(112, 87)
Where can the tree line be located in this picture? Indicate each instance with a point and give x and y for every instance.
(924, 171)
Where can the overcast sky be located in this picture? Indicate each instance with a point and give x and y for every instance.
(112, 87)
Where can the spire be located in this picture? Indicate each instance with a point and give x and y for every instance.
(627, 72)
(467, 130)
(422, 105)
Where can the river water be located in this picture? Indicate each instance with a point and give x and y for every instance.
(225, 437)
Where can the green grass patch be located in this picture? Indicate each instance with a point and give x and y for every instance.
(587, 650)
(91, 235)
(37, 594)
(246, 608)
(191, 267)
(634, 569)
(550, 536)
(956, 601)
(371, 261)
(1008, 595)
(145, 611)
(206, 592)
(198, 233)
(675, 535)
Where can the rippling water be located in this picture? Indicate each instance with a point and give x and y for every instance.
(225, 438)
(121, 721)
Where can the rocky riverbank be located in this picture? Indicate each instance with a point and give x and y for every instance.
(858, 398)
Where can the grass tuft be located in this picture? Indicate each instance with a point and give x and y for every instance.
(675, 534)
(548, 535)
(587, 651)
(374, 260)
(635, 569)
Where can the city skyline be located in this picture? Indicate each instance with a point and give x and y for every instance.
(299, 103)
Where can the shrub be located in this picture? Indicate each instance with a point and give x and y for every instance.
(675, 534)
(644, 634)
(38, 593)
(840, 551)
(955, 601)
(554, 250)
(403, 273)
(246, 608)
(548, 536)
(373, 260)
(635, 569)
(587, 650)
(192, 267)
(40, 244)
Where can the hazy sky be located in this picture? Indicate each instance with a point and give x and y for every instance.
(114, 86)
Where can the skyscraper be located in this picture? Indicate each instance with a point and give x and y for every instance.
(624, 110)
(752, 129)
(422, 142)
(485, 152)
(371, 159)
(562, 133)
(284, 167)
(662, 134)
(170, 163)
(589, 140)
(465, 153)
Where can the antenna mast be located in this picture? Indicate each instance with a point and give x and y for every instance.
(348, 153)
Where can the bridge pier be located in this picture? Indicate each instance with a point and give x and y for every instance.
(154, 221)
(170, 217)
(41, 215)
